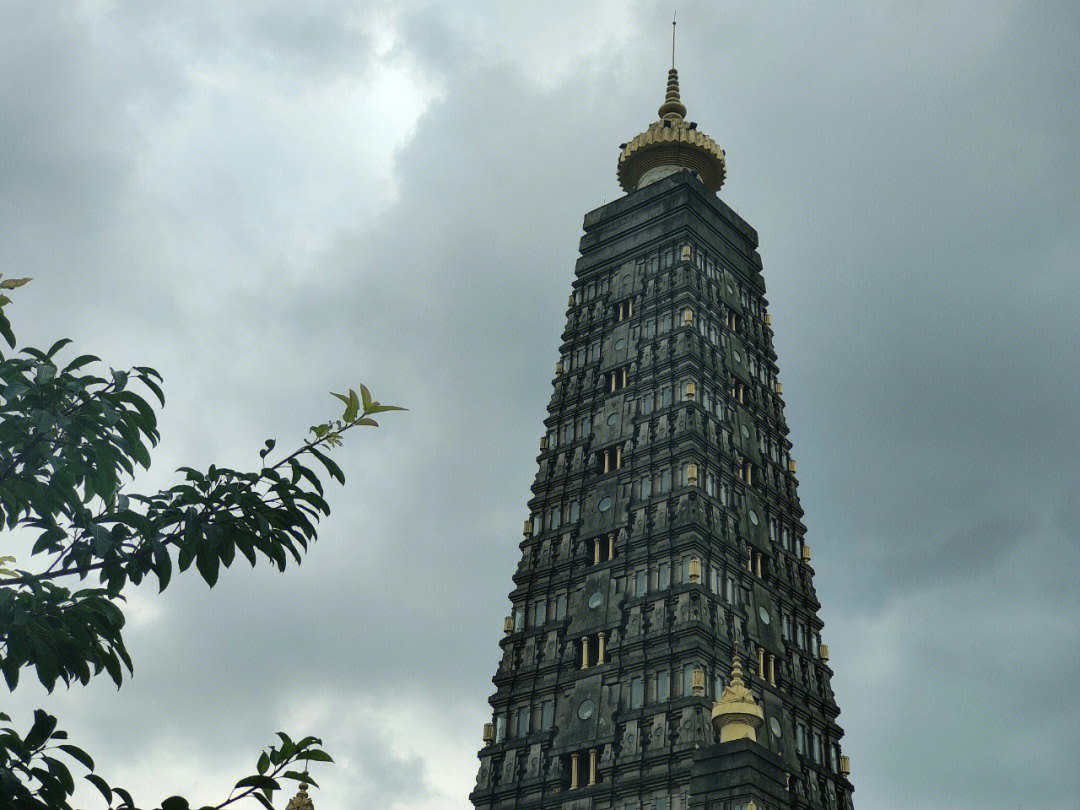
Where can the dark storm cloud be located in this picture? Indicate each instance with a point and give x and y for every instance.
(909, 173)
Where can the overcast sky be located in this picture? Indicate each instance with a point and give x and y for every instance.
(270, 200)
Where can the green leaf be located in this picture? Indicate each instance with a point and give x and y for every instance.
(154, 387)
(377, 408)
(101, 785)
(162, 565)
(44, 725)
(60, 773)
(56, 346)
(208, 562)
(366, 395)
(315, 756)
(5, 330)
(112, 666)
(264, 763)
(13, 283)
(331, 467)
(175, 803)
(80, 361)
(258, 781)
(45, 372)
(77, 753)
(287, 745)
(351, 410)
(10, 667)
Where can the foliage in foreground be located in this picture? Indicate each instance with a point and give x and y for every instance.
(72, 436)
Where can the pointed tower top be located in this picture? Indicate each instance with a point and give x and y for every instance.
(672, 109)
(671, 144)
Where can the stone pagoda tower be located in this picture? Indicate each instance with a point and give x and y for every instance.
(663, 649)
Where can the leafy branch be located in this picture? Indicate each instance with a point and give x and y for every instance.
(71, 441)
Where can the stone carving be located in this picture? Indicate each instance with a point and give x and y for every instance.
(682, 611)
(509, 767)
(660, 518)
(630, 744)
(656, 617)
(692, 727)
(533, 767)
(657, 733)
(483, 778)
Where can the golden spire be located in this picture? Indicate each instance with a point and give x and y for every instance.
(672, 109)
(301, 801)
(671, 144)
(737, 715)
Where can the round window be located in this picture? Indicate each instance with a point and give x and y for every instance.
(736, 355)
(611, 420)
(730, 290)
(585, 710)
(774, 727)
(753, 517)
(605, 503)
(596, 600)
(763, 614)
(745, 432)
(620, 344)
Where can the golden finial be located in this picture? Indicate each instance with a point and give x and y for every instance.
(671, 144)
(737, 715)
(672, 109)
(301, 801)
(736, 671)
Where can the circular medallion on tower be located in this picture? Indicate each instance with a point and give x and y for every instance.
(670, 145)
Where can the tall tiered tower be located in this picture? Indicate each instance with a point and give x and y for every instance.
(663, 649)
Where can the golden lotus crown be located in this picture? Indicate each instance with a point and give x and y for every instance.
(670, 144)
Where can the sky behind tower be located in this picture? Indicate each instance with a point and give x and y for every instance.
(270, 200)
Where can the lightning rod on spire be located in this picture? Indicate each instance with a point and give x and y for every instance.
(673, 38)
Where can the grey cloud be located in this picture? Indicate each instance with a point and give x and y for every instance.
(909, 174)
